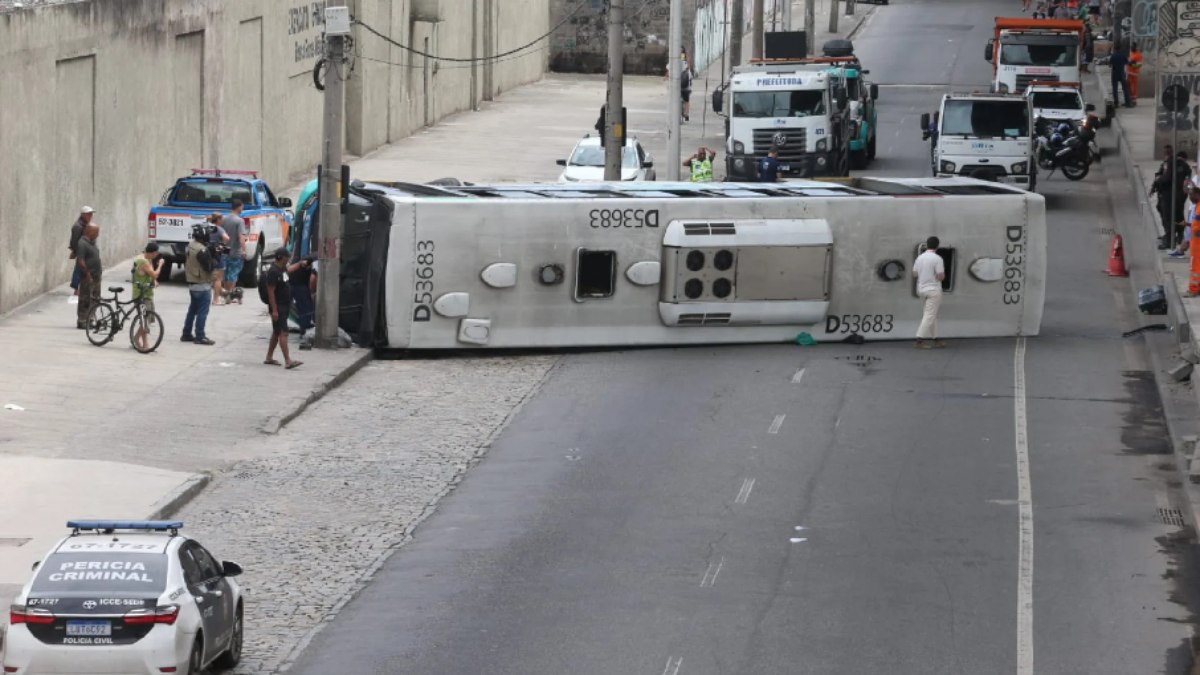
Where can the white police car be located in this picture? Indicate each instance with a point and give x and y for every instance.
(125, 597)
(586, 163)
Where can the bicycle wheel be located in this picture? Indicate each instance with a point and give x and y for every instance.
(149, 321)
(102, 324)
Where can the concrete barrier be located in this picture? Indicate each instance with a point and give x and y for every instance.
(106, 102)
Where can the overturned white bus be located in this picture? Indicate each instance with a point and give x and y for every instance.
(680, 263)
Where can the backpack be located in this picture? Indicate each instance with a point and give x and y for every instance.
(262, 288)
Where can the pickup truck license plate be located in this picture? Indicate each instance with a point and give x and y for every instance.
(168, 221)
(89, 628)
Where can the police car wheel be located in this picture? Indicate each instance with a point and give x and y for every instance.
(164, 275)
(253, 269)
(196, 658)
(233, 654)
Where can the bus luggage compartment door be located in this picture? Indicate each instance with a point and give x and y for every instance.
(746, 272)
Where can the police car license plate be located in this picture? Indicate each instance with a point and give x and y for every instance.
(168, 221)
(89, 628)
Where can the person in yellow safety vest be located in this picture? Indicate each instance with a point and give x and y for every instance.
(1132, 70)
(701, 165)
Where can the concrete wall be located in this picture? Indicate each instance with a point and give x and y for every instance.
(580, 44)
(106, 102)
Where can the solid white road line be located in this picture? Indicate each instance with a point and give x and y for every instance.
(776, 424)
(1025, 506)
(744, 494)
(673, 664)
(710, 574)
(796, 378)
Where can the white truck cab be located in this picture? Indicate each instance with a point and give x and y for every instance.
(797, 108)
(984, 136)
(1024, 50)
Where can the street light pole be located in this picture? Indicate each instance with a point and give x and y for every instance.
(833, 17)
(675, 107)
(615, 142)
(810, 25)
(330, 240)
(756, 50)
(737, 22)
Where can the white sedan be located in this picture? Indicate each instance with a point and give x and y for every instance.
(125, 597)
(586, 162)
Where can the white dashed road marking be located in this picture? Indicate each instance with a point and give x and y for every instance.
(673, 664)
(744, 494)
(710, 574)
(776, 424)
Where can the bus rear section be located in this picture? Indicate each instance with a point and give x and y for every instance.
(676, 264)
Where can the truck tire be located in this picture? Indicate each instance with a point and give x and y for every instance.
(871, 148)
(164, 275)
(858, 159)
(252, 269)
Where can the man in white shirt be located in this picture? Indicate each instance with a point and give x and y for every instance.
(929, 270)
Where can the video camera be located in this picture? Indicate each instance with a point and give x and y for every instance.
(210, 235)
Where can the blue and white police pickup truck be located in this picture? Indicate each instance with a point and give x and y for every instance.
(193, 198)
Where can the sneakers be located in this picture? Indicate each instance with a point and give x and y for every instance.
(922, 344)
(1176, 254)
(186, 338)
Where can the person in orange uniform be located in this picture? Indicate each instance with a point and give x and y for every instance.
(1194, 248)
(1133, 70)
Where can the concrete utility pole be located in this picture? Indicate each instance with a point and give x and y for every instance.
(756, 50)
(810, 25)
(736, 21)
(614, 144)
(675, 109)
(787, 15)
(833, 17)
(337, 19)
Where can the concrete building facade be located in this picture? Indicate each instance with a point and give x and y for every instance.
(106, 102)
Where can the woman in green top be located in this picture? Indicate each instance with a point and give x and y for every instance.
(146, 268)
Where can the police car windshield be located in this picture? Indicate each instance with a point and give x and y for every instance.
(101, 572)
(778, 103)
(985, 119)
(1057, 100)
(593, 155)
(215, 192)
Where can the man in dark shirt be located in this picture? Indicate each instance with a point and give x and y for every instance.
(85, 217)
(303, 282)
(1117, 62)
(279, 297)
(87, 261)
(768, 167)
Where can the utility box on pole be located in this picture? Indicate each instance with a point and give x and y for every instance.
(329, 248)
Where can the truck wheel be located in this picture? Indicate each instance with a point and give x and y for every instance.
(871, 148)
(858, 159)
(164, 275)
(253, 269)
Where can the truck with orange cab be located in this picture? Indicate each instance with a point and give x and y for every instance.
(1024, 50)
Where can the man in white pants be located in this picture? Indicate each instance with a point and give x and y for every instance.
(929, 271)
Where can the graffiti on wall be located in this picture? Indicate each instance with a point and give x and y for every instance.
(709, 29)
(1143, 23)
(1179, 64)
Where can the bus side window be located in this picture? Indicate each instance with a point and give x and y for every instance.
(595, 274)
(948, 259)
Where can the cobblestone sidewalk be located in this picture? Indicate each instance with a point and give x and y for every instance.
(344, 485)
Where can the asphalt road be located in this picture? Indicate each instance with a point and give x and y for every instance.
(831, 509)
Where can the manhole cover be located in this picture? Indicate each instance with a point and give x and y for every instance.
(13, 542)
(1171, 517)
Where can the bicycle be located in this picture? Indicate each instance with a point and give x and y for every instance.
(109, 315)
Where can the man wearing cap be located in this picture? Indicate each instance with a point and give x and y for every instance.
(85, 217)
(279, 297)
(145, 277)
(87, 261)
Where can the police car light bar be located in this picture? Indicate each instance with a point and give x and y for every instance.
(109, 525)
(223, 172)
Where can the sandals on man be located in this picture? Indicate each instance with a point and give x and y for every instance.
(294, 364)
(272, 362)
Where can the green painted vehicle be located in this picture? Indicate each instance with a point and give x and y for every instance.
(861, 95)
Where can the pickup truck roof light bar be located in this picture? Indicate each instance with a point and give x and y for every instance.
(1051, 83)
(224, 172)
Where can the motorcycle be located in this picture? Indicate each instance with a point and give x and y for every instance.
(1067, 147)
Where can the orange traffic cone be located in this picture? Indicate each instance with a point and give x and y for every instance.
(1116, 259)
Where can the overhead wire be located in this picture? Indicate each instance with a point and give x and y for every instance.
(578, 6)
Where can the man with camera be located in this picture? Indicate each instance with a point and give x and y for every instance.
(198, 271)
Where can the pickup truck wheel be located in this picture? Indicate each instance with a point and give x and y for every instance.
(253, 269)
(164, 275)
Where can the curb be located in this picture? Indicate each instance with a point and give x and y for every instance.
(179, 497)
(862, 21)
(277, 422)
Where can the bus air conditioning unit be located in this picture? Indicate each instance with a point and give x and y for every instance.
(746, 272)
